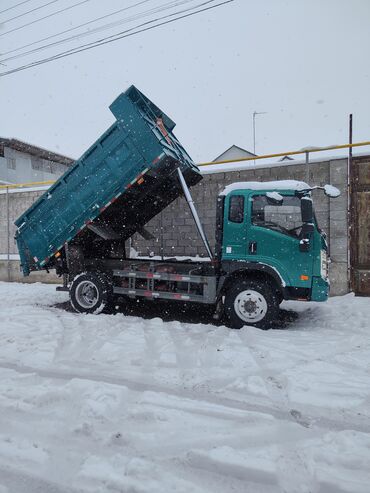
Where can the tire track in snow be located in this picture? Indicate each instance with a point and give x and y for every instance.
(276, 386)
(356, 424)
(79, 343)
(293, 468)
(23, 482)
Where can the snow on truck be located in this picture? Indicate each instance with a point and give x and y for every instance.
(268, 244)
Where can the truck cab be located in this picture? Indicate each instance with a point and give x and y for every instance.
(270, 248)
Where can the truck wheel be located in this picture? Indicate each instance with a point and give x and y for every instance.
(91, 293)
(251, 302)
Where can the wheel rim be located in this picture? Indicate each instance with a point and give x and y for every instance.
(87, 294)
(250, 306)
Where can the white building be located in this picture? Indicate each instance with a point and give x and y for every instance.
(22, 163)
(234, 152)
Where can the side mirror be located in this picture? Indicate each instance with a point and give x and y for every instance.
(331, 191)
(306, 210)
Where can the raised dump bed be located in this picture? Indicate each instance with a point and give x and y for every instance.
(122, 181)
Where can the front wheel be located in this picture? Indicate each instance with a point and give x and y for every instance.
(251, 302)
(91, 293)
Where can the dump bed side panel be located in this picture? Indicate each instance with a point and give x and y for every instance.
(135, 112)
(134, 145)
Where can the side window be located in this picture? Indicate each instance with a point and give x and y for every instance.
(236, 209)
(11, 163)
(36, 163)
(285, 217)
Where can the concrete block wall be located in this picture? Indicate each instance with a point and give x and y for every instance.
(19, 201)
(180, 236)
(17, 276)
(338, 226)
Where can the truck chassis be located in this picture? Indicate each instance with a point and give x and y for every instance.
(167, 280)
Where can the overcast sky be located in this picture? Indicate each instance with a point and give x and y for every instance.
(304, 62)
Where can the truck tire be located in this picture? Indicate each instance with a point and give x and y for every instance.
(251, 302)
(91, 292)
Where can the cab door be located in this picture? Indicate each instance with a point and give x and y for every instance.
(234, 228)
(274, 238)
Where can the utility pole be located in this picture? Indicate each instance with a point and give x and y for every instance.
(307, 166)
(8, 233)
(254, 127)
(351, 237)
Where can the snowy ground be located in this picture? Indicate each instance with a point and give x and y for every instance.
(115, 403)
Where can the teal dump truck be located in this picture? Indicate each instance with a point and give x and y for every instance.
(269, 247)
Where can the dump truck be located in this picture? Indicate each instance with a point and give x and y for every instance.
(269, 247)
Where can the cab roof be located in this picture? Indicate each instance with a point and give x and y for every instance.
(293, 185)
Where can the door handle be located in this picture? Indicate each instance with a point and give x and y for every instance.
(252, 247)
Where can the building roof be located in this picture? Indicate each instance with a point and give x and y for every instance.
(20, 146)
(235, 148)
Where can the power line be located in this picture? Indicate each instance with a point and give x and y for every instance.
(137, 16)
(104, 27)
(102, 40)
(14, 6)
(45, 17)
(74, 28)
(118, 36)
(29, 11)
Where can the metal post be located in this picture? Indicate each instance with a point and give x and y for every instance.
(350, 221)
(307, 167)
(161, 234)
(194, 212)
(8, 232)
(254, 131)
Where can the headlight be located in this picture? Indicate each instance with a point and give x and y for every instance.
(324, 264)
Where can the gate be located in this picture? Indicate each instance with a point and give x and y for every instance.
(360, 225)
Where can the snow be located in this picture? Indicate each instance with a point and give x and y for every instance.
(12, 256)
(275, 196)
(118, 403)
(179, 258)
(331, 191)
(266, 185)
(41, 188)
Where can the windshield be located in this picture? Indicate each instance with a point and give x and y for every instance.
(285, 217)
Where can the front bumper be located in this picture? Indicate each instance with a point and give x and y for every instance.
(320, 289)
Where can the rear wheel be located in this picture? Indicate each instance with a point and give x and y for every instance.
(251, 302)
(91, 293)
